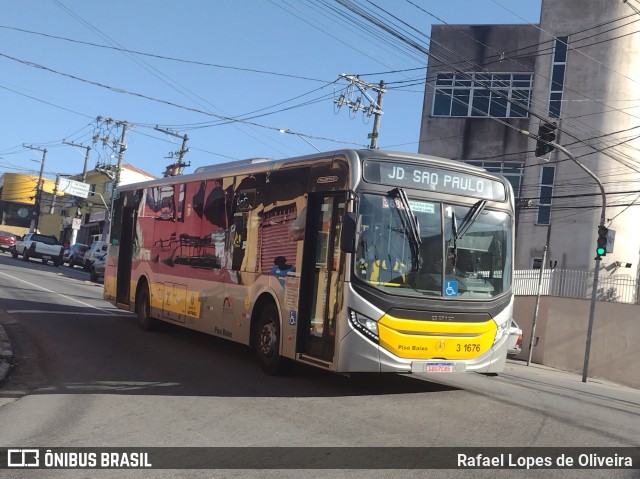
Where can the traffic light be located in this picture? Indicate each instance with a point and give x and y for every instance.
(546, 134)
(601, 249)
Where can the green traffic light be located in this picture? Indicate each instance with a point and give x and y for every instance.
(601, 250)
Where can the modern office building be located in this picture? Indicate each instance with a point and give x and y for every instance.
(578, 67)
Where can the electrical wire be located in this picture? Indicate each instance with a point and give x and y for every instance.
(165, 102)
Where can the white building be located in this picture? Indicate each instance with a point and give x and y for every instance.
(579, 66)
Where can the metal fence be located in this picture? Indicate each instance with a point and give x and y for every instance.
(618, 288)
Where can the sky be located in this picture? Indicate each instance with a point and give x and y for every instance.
(229, 74)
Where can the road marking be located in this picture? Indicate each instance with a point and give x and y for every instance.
(59, 294)
(78, 313)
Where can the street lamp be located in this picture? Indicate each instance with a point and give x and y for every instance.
(299, 136)
(103, 202)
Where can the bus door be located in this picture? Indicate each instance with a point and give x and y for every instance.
(321, 300)
(125, 254)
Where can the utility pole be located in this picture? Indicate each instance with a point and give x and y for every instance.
(537, 307)
(113, 143)
(55, 193)
(547, 137)
(175, 169)
(374, 106)
(74, 232)
(376, 118)
(122, 147)
(86, 157)
(38, 196)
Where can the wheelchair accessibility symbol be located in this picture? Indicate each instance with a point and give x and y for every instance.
(451, 288)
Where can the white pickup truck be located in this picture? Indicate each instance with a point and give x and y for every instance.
(35, 245)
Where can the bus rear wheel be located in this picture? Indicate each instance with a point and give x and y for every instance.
(267, 340)
(143, 309)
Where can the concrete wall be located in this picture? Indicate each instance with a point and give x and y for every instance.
(562, 328)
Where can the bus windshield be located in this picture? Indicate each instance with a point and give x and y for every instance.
(463, 251)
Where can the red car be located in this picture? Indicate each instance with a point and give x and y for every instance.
(7, 241)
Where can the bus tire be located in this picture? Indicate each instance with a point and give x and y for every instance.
(143, 309)
(267, 340)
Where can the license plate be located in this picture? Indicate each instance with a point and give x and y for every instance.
(46, 257)
(443, 367)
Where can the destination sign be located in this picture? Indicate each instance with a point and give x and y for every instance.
(406, 175)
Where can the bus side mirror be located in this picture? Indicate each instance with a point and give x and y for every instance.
(349, 233)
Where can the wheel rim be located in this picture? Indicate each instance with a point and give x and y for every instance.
(268, 338)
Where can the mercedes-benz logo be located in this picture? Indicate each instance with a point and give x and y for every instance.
(440, 346)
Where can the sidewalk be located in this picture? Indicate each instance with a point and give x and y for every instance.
(544, 376)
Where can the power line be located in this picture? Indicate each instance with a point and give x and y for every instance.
(162, 57)
(165, 102)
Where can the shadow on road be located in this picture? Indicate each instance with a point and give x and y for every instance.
(69, 352)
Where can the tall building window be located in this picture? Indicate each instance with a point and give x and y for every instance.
(511, 170)
(557, 76)
(482, 94)
(546, 193)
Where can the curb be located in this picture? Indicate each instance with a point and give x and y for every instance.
(6, 354)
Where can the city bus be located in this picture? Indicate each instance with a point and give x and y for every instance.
(350, 260)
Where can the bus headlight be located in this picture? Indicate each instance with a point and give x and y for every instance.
(502, 331)
(365, 325)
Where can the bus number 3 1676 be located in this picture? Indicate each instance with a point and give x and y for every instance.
(468, 348)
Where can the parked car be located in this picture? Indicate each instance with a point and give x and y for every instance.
(75, 254)
(97, 249)
(514, 343)
(97, 268)
(36, 245)
(7, 241)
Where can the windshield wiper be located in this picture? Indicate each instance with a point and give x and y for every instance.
(471, 217)
(454, 234)
(467, 221)
(410, 223)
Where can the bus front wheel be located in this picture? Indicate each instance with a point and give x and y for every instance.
(143, 308)
(267, 340)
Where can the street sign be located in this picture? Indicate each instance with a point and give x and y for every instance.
(74, 188)
(76, 224)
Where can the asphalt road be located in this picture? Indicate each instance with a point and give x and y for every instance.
(86, 375)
